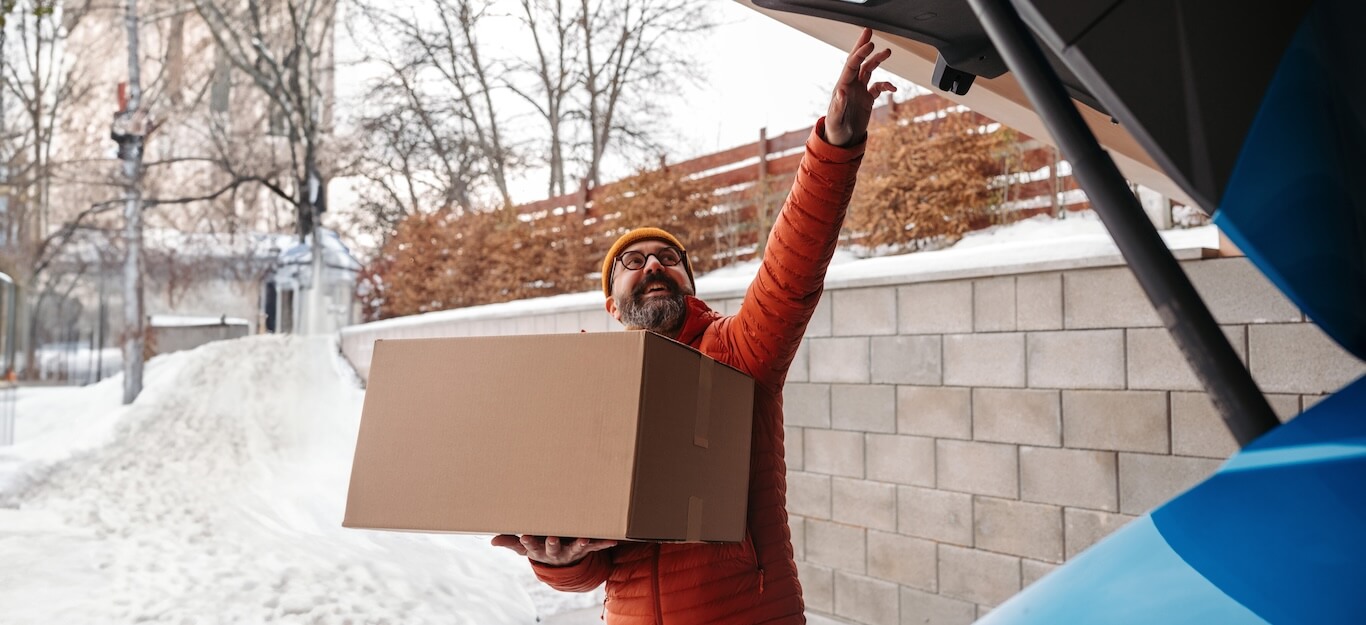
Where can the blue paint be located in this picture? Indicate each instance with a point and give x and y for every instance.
(1303, 454)
(1288, 541)
(1131, 578)
(1295, 203)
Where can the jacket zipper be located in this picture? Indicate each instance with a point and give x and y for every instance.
(758, 566)
(659, 607)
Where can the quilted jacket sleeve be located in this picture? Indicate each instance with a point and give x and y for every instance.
(587, 574)
(769, 327)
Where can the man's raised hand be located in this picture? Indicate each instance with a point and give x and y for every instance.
(851, 105)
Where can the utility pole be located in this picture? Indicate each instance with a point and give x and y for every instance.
(130, 131)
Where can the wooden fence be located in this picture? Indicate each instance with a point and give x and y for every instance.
(748, 182)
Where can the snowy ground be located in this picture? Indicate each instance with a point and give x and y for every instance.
(217, 497)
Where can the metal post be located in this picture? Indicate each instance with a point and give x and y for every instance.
(1235, 395)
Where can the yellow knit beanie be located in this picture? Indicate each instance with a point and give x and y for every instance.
(633, 237)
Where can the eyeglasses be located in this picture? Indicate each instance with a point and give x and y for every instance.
(633, 260)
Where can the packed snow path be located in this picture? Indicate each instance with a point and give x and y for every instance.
(217, 497)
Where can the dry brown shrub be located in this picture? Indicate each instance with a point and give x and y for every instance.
(448, 260)
(925, 183)
(661, 199)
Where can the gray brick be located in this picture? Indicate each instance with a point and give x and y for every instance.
(1076, 359)
(834, 453)
(980, 468)
(1118, 420)
(797, 527)
(1146, 481)
(935, 514)
(861, 312)
(907, 561)
(839, 360)
(1286, 407)
(809, 494)
(923, 608)
(1105, 298)
(1027, 417)
(867, 408)
(835, 545)
(864, 503)
(1154, 362)
(977, 576)
(1087, 527)
(1032, 571)
(900, 459)
(806, 405)
(1197, 429)
(935, 308)
(993, 304)
(1018, 528)
(1299, 358)
(800, 370)
(984, 360)
(907, 359)
(818, 586)
(793, 448)
(1038, 301)
(820, 324)
(934, 411)
(1069, 477)
(866, 600)
(1237, 293)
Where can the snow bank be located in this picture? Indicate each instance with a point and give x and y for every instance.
(217, 497)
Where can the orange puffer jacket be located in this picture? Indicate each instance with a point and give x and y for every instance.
(754, 581)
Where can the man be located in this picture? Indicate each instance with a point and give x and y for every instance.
(648, 281)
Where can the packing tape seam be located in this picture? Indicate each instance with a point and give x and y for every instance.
(694, 519)
(702, 423)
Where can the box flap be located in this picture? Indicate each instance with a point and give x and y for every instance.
(692, 468)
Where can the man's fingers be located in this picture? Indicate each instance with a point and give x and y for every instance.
(599, 545)
(552, 547)
(880, 88)
(509, 541)
(862, 48)
(533, 544)
(866, 71)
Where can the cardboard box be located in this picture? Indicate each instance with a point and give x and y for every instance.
(619, 435)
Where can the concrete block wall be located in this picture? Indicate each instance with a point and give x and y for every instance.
(953, 438)
(952, 441)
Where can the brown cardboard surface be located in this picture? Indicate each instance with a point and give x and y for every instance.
(623, 435)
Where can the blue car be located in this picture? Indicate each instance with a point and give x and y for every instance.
(1257, 112)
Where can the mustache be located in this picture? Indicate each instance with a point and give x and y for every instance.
(653, 279)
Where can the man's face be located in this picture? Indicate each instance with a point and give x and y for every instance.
(651, 297)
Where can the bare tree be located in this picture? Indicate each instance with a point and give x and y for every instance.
(421, 153)
(38, 82)
(285, 50)
(555, 72)
(631, 51)
(130, 130)
(585, 71)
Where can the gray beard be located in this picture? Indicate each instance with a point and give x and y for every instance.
(663, 315)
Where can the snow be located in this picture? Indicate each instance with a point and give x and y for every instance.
(217, 497)
(183, 321)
